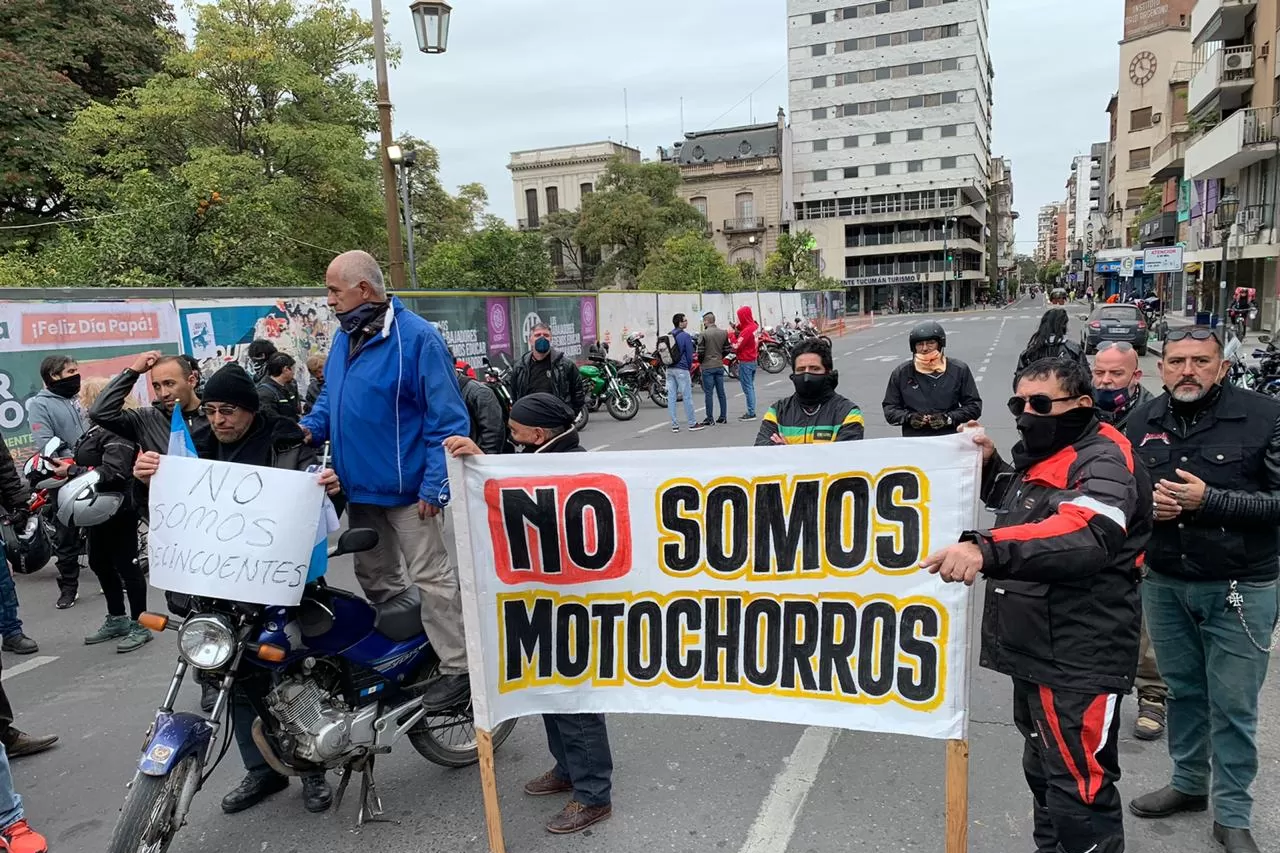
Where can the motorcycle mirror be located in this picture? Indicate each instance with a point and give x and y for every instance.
(484, 359)
(356, 540)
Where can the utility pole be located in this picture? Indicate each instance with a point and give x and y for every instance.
(390, 202)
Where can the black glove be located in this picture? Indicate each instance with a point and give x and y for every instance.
(19, 518)
(917, 421)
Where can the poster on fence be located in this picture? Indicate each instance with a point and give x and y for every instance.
(572, 320)
(104, 337)
(216, 529)
(779, 584)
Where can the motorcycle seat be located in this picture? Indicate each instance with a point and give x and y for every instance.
(399, 618)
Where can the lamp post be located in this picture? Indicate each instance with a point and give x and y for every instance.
(404, 161)
(1227, 207)
(946, 259)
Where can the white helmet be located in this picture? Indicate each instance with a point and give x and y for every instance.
(38, 470)
(80, 504)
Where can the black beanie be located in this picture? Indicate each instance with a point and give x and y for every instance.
(543, 410)
(231, 384)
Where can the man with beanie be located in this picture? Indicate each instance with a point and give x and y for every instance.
(390, 399)
(54, 412)
(815, 413)
(238, 432)
(579, 743)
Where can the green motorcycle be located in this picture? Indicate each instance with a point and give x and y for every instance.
(600, 376)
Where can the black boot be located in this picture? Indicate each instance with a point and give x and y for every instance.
(1234, 840)
(1166, 802)
(317, 796)
(447, 691)
(255, 787)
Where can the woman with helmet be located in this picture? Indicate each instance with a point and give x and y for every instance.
(931, 394)
(98, 499)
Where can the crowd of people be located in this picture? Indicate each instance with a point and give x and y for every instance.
(1133, 537)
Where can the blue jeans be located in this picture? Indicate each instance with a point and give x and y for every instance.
(678, 382)
(580, 745)
(747, 376)
(10, 624)
(713, 380)
(10, 802)
(1214, 673)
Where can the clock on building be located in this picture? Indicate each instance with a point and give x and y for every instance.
(1143, 68)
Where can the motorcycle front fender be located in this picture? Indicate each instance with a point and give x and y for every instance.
(175, 735)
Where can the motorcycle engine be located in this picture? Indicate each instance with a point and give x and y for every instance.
(318, 728)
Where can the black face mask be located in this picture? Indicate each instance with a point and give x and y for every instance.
(67, 387)
(815, 387)
(357, 318)
(1043, 435)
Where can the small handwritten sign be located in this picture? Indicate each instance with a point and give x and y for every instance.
(225, 530)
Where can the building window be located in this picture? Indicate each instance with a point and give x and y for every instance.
(884, 138)
(950, 97)
(820, 82)
(1139, 119)
(915, 4)
(818, 18)
(882, 169)
(949, 65)
(586, 189)
(1139, 158)
(818, 49)
(820, 112)
(948, 162)
(531, 207)
(851, 142)
(851, 172)
(884, 40)
(915, 69)
(915, 134)
(915, 102)
(1134, 198)
(884, 106)
(882, 8)
(819, 145)
(950, 129)
(553, 199)
(915, 165)
(745, 205)
(819, 175)
(850, 45)
(700, 204)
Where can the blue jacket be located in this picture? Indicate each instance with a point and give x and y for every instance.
(684, 345)
(387, 410)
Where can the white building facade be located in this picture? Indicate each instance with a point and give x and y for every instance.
(891, 144)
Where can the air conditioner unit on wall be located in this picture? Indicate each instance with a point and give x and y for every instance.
(1251, 220)
(1241, 60)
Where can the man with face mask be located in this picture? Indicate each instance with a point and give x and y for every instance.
(1061, 613)
(1213, 452)
(542, 423)
(1117, 393)
(815, 413)
(55, 412)
(544, 369)
(931, 394)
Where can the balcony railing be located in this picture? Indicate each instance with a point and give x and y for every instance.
(744, 223)
(1226, 71)
(1241, 139)
(1220, 20)
(938, 236)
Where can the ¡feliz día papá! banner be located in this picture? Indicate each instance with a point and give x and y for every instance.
(216, 530)
(780, 584)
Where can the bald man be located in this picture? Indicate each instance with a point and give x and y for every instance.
(389, 401)
(1118, 392)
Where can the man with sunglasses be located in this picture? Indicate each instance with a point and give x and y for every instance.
(1061, 614)
(1213, 452)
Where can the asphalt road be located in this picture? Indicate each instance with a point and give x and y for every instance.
(681, 784)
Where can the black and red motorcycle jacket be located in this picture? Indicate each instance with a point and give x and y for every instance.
(1063, 565)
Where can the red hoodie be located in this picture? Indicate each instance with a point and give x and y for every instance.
(748, 348)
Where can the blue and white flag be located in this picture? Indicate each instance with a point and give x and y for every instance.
(320, 554)
(180, 443)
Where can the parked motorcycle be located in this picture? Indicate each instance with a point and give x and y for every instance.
(30, 549)
(644, 372)
(601, 375)
(346, 680)
(773, 357)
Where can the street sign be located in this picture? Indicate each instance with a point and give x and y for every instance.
(1126, 267)
(1163, 259)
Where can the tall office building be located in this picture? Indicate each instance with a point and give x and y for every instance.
(891, 129)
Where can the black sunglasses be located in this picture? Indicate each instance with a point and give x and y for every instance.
(1041, 404)
(1196, 334)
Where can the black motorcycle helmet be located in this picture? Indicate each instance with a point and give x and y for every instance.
(929, 330)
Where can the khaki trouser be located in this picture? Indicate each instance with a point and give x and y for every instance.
(421, 544)
(1151, 686)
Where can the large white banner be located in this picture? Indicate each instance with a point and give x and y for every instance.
(772, 583)
(225, 530)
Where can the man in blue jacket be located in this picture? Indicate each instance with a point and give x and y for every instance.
(390, 399)
(679, 380)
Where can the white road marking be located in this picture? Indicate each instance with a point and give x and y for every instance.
(598, 449)
(774, 382)
(659, 425)
(780, 812)
(979, 378)
(27, 666)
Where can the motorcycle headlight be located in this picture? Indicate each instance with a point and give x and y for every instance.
(206, 642)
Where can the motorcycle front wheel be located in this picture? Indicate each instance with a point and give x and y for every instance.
(772, 360)
(623, 406)
(449, 740)
(147, 821)
(658, 396)
(580, 422)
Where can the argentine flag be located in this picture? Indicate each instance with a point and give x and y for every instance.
(320, 553)
(180, 443)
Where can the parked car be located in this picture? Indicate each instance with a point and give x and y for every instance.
(1118, 322)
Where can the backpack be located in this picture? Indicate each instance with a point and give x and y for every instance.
(666, 349)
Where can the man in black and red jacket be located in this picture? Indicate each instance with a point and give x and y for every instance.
(1061, 615)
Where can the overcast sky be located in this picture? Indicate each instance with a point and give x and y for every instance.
(521, 74)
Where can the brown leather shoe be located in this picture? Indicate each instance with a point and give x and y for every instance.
(576, 817)
(546, 784)
(18, 744)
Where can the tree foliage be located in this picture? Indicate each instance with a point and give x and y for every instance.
(560, 230)
(689, 261)
(496, 257)
(792, 265)
(437, 215)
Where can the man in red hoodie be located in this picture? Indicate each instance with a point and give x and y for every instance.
(748, 351)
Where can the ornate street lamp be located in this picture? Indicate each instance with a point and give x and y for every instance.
(431, 24)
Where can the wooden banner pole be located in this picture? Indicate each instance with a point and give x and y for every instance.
(957, 794)
(489, 785)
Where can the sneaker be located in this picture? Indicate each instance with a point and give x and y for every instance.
(20, 838)
(750, 416)
(1151, 720)
(675, 429)
(708, 422)
(18, 743)
(113, 629)
(136, 638)
(722, 420)
(697, 427)
(67, 599)
(20, 644)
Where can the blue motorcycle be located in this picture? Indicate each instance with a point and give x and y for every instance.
(343, 683)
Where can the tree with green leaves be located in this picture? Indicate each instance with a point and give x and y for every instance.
(56, 57)
(689, 262)
(635, 208)
(496, 257)
(792, 265)
(560, 230)
(437, 215)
